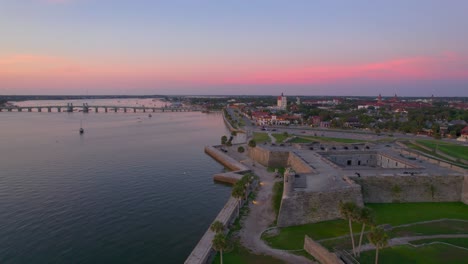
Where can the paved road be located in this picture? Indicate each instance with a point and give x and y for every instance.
(353, 134)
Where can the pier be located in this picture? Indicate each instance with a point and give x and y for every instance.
(85, 108)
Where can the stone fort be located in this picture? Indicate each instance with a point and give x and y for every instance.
(323, 175)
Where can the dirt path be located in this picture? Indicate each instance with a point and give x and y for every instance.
(405, 240)
(261, 215)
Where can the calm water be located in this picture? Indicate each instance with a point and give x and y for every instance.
(132, 189)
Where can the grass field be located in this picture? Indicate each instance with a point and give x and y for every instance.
(280, 137)
(430, 254)
(454, 150)
(309, 139)
(403, 213)
(461, 242)
(260, 137)
(395, 214)
(435, 228)
(418, 148)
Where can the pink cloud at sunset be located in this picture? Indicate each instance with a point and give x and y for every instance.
(29, 71)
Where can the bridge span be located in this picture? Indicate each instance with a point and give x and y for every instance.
(85, 108)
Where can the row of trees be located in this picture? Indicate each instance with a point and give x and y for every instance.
(239, 191)
(365, 216)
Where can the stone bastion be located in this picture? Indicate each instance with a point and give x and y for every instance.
(327, 174)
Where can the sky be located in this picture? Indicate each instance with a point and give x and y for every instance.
(264, 47)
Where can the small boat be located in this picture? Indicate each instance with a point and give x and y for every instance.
(81, 128)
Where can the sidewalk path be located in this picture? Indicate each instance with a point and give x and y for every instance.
(261, 215)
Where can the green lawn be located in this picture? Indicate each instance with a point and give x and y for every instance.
(454, 150)
(260, 137)
(404, 213)
(240, 255)
(292, 237)
(280, 138)
(415, 147)
(461, 242)
(395, 214)
(435, 228)
(309, 139)
(430, 254)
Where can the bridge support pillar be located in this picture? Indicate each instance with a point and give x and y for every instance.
(125, 109)
(115, 110)
(59, 109)
(85, 108)
(105, 109)
(49, 109)
(154, 110)
(144, 110)
(70, 107)
(29, 109)
(20, 109)
(96, 109)
(39, 109)
(134, 110)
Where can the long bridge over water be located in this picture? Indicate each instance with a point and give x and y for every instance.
(85, 108)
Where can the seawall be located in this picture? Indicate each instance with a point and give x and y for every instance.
(203, 252)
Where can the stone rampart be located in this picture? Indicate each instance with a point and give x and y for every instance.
(298, 164)
(302, 207)
(394, 188)
(278, 159)
(320, 253)
(268, 158)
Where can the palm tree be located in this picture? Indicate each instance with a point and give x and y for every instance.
(366, 217)
(223, 140)
(348, 211)
(252, 143)
(219, 244)
(379, 239)
(217, 226)
(238, 192)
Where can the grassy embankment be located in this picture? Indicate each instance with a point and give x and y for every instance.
(453, 150)
(280, 137)
(260, 137)
(429, 254)
(394, 214)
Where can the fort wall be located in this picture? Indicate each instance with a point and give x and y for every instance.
(391, 189)
(301, 207)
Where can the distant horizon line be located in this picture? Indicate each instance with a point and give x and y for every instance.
(217, 95)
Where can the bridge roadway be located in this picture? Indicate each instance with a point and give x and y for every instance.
(85, 108)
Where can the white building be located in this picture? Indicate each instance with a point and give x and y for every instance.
(282, 102)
